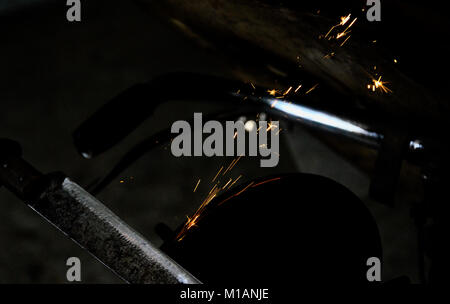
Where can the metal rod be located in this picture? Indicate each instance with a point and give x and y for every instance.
(88, 222)
(124, 113)
(97, 229)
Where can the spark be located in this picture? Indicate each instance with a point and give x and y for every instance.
(287, 91)
(332, 28)
(251, 185)
(312, 89)
(344, 20)
(351, 24)
(342, 44)
(245, 189)
(266, 181)
(271, 126)
(235, 181)
(238, 159)
(378, 84)
(239, 193)
(340, 35)
(221, 168)
(212, 194)
(227, 183)
(329, 55)
(192, 222)
(196, 186)
(280, 94)
(212, 189)
(272, 92)
(345, 31)
(230, 166)
(210, 197)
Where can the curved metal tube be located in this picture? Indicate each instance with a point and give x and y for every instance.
(119, 117)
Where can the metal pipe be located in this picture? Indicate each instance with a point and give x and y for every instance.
(324, 120)
(124, 113)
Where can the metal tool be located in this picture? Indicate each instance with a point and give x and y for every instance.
(88, 222)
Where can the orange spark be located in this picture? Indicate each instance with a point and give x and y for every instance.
(221, 168)
(196, 186)
(287, 91)
(378, 84)
(235, 181)
(312, 89)
(343, 21)
(272, 92)
(345, 41)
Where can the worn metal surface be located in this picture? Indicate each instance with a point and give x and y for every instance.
(87, 221)
(93, 226)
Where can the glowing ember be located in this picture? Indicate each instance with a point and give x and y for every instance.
(345, 19)
(272, 92)
(342, 44)
(213, 193)
(378, 84)
(196, 186)
(312, 89)
(287, 91)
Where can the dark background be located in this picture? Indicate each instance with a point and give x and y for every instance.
(54, 74)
